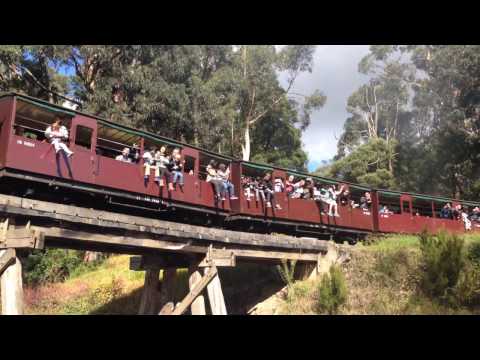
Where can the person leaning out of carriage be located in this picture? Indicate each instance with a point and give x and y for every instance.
(176, 168)
(57, 134)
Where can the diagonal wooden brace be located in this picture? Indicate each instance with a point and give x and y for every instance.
(192, 295)
(7, 259)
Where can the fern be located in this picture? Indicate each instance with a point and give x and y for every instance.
(287, 271)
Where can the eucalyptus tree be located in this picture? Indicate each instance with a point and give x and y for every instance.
(260, 93)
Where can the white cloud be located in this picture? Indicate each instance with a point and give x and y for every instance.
(336, 74)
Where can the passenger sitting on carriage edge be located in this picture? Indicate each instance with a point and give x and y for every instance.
(214, 178)
(162, 160)
(124, 156)
(299, 189)
(289, 185)
(278, 185)
(308, 189)
(56, 134)
(247, 187)
(269, 193)
(332, 202)
(259, 188)
(148, 163)
(224, 173)
(176, 167)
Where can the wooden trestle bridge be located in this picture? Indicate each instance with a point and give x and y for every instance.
(157, 244)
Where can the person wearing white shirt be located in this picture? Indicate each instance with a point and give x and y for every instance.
(124, 156)
(57, 134)
(162, 160)
(148, 162)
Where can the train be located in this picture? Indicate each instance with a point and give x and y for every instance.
(29, 167)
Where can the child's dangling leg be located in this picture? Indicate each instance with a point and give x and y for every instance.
(180, 180)
(168, 175)
(147, 174)
(158, 179)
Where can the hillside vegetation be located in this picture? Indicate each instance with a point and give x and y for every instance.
(398, 275)
(391, 275)
(109, 287)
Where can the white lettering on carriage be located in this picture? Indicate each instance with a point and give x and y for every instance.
(26, 143)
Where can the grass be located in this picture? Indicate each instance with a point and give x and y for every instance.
(383, 278)
(394, 242)
(390, 242)
(111, 288)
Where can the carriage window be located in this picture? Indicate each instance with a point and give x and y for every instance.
(31, 121)
(189, 164)
(111, 142)
(83, 137)
(391, 201)
(406, 206)
(423, 207)
(204, 161)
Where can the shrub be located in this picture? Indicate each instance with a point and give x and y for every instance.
(390, 263)
(474, 253)
(467, 291)
(444, 259)
(331, 292)
(298, 292)
(287, 271)
(54, 265)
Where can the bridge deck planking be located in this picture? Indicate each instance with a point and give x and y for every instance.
(138, 232)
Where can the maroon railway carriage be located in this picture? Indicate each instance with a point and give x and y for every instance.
(26, 155)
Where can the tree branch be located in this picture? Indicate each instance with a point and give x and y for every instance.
(77, 68)
(265, 111)
(48, 90)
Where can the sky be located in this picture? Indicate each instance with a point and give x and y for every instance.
(335, 73)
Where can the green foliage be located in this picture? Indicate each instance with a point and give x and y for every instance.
(368, 164)
(467, 291)
(426, 98)
(287, 271)
(54, 265)
(97, 298)
(474, 253)
(220, 97)
(444, 260)
(331, 292)
(298, 294)
(393, 265)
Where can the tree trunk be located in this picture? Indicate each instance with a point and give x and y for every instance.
(90, 256)
(196, 124)
(246, 146)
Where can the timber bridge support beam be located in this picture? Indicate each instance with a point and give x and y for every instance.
(163, 245)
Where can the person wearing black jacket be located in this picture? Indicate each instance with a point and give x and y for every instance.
(176, 168)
